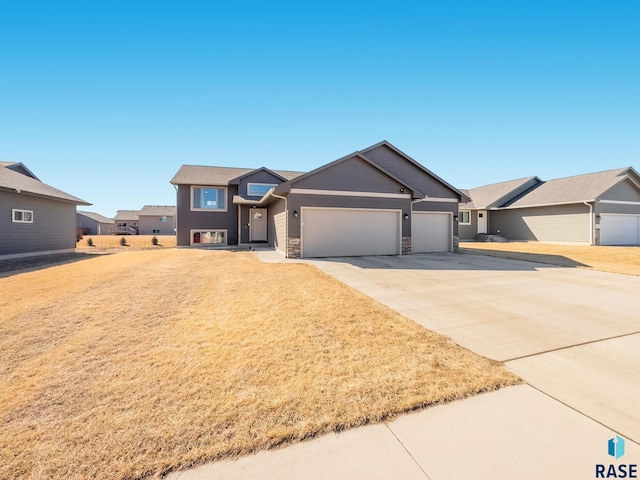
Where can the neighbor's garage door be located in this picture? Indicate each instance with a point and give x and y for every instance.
(341, 232)
(431, 232)
(619, 229)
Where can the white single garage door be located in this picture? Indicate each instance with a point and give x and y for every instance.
(619, 229)
(344, 232)
(431, 232)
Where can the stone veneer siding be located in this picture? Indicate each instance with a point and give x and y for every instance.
(293, 247)
(406, 245)
(456, 243)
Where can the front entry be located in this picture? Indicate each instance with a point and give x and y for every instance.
(482, 221)
(258, 225)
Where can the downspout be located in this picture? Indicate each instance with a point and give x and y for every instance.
(240, 225)
(286, 224)
(591, 222)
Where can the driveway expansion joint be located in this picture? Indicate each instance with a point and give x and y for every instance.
(415, 460)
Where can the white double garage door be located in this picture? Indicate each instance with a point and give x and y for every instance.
(345, 232)
(618, 229)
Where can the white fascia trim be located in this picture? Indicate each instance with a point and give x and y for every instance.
(437, 199)
(345, 193)
(546, 205)
(619, 202)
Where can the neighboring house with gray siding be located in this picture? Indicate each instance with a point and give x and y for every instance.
(91, 223)
(601, 208)
(35, 218)
(157, 220)
(378, 201)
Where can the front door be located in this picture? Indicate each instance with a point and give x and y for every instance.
(482, 221)
(258, 225)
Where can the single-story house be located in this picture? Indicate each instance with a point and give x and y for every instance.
(157, 220)
(35, 218)
(91, 223)
(126, 222)
(601, 208)
(377, 201)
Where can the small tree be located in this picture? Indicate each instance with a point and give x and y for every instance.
(154, 240)
(123, 242)
(90, 242)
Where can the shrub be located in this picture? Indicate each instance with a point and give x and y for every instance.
(123, 242)
(90, 242)
(154, 240)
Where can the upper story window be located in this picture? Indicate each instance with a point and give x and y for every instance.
(259, 189)
(21, 216)
(464, 217)
(163, 219)
(209, 198)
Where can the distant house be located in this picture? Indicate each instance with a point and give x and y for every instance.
(601, 208)
(127, 222)
(35, 218)
(377, 201)
(157, 220)
(90, 223)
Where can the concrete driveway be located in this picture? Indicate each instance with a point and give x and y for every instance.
(572, 333)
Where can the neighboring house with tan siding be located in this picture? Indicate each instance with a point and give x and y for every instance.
(35, 218)
(157, 220)
(126, 222)
(377, 201)
(91, 223)
(601, 208)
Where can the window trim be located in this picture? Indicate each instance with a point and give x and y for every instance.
(461, 216)
(250, 184)
(202, 230)
(211, 210)
(15, 210)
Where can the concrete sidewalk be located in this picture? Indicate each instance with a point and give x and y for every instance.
(572, 334)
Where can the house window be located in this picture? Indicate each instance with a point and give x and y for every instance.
(259, 189)
(209, 198)
(464, 217)
(208, 237)
(21, 216)
(155, 230)
(163, 219)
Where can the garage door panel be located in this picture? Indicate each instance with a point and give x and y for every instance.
(619, 229)
(430, 232)
(330, 232)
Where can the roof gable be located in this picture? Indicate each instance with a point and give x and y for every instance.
(14, 181)
(498, 194)
(211, 175)
(20, 168)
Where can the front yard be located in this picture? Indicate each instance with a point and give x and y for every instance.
(139, 363)
(606, 259)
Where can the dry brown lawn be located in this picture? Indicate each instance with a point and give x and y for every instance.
(135, 242)
(606, 259)
(139, 363)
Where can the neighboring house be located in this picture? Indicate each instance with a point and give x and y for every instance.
(91, 223)
(378, 201)
(601, 208)
(35, 218)
(157, 220)
(126, 222)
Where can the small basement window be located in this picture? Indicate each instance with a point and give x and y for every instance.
(465, 217)
(21, 216)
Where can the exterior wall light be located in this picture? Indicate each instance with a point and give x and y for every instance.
(295, 214)
(406, 216)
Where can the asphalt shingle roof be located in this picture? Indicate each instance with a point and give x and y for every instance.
(488, 196)
(127, 215)
(15, 181)
(158, 210)
(205, 175)
(96, 217)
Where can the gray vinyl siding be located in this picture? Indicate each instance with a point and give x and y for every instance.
(258, 177)
(616, 208)
(53, 227)
(88, 225)
(561, 223)
(406, 171)
(438, 207)
(277, 227)
(296, 201)
(148, 223)
(624, 191)
(188, 219)
(468, 232)
(353, 174)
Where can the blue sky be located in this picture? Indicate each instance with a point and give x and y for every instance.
(105, 100)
